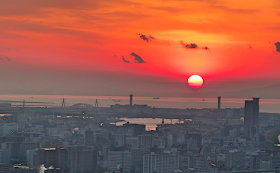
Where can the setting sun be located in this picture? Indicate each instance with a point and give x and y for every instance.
(195, 81)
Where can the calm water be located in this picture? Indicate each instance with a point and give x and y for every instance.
(266, 105)
(151, 123)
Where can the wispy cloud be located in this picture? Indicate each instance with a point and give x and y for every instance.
(192, 46)
(189, 46)
(235, 10)
(124, 60)
(5, 58)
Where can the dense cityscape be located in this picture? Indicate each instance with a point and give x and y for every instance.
(139, 86)
(84, 138)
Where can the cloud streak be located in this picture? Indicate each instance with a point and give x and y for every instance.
(192, 46)
(124, 60)
(5, 58)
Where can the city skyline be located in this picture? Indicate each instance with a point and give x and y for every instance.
(131, 86)
(144, 48)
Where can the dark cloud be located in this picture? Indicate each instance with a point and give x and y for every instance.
(192, 46)
(8, 59)
(124, 60)
(205, 47)
(5, 58)
(115, 56)
(137, 58)
(277, 44)
(189, 46)
(146, 38)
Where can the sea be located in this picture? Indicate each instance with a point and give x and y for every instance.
(266, 105)
(151, 123)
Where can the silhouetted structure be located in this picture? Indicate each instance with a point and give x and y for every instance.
(251, 119)
(96, 103)
(63, 103)
(219, 105)
(130, 99)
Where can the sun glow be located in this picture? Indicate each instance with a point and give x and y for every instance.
(195, 81)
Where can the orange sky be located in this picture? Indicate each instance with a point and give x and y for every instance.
(68, 46)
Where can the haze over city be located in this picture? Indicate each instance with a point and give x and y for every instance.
(135, 86)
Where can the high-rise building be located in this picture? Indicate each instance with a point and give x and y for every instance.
(274, 162)
(4, 156)
(251, 119)
(13, 148)
(145, 141)
(56, 157)
(160, 163)
(30, 157)
(4, 168)
(24, 147)
(119, 140)
(219, 106)
(195, 140)
(82, 159)
(201, 164)
(138, 129)
(235, 160)
(255, 161)
(119, 160)
(137, 158)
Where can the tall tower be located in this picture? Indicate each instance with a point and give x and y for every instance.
(256, 115)
(130, 99)
(251, 119)
(219, 105)
(96, 103)
(63, 103)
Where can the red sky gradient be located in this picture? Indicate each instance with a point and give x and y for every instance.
(68, 47)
